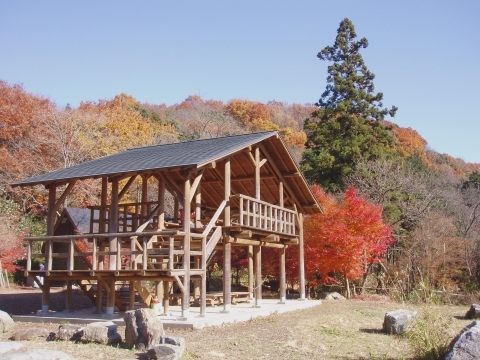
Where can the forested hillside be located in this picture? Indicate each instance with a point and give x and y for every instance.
(428, 199)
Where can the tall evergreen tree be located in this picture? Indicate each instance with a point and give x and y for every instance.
(348, 124)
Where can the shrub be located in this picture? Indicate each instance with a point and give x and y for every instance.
(430, 336)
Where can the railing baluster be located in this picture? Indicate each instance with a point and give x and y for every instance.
(71, 260)
(94, 255)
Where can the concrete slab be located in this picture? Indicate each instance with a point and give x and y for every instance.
(215, 315)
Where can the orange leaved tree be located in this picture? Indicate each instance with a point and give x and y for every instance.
(344, 240)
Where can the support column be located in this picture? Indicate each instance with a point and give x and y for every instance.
(52, 195)
(227, 246)
(68, 303)
(166, 298)
(161, 201)
(45, 295)
(250, 271)
(257, 260)
(99, 296)
(131, 295)
(301, 258)
(186, 247)
(110, 298)
(283, 278)
(113, 228)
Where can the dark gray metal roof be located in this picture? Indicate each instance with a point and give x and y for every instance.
(190, 153)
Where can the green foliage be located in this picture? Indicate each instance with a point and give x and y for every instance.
(348, 125)
(430, 336)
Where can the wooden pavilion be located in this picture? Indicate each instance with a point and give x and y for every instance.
(252, 187)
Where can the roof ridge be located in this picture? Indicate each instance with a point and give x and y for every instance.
(198, 140)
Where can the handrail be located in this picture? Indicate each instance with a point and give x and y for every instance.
(103, 235)
(214, 218)
(263, 203)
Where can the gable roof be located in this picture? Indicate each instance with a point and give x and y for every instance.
(172, 158)
(194, 153)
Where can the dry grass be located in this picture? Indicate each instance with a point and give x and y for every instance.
(334, 330)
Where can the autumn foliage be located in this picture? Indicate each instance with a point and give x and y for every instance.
(345, 239)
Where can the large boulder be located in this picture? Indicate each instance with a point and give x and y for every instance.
(473, 312)
(6, 322)
(70, 332)
(143, 329)
(37, 354)
(331, 296)
(170, 348)
(33, 334)
(466, 346)
(398, 321)
(102, 332)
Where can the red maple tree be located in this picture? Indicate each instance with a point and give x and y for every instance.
(345, 239)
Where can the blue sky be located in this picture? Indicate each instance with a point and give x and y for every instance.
(425, 54)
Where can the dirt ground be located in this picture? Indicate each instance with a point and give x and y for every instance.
(334, 330)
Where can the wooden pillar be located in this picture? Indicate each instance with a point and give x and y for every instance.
(113, 227)
(45, 295)
(250, 271)
(283, 278)
(111, 298)
(257, 173)
(161, 201)
(197, 283)
(144, 209)
(257, 260)
(175, 210)
(131, 295)
(99, 296)
(68, 303)
(186, 246)
(227, 246)
(166, 298)
(52, 195)
(301, 259)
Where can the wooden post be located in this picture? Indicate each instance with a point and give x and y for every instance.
(197, 282)
(110, 298)
(186, 246)
(99, 296)
(250, 271)
(144, 210)
(257, 173)
(68, 304)
(227, 246)
(283, 278)
(51, 215)
(113, 228)
(166, 298)
(131, 295)
(45, 295)
(301, 259)
(161, 201)
(257, 260)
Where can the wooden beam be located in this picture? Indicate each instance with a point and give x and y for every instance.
(240, 241)
(64, 195)
(126, 187)
(195, 184)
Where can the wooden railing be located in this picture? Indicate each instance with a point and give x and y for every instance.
(138, 241)
(130, 216)
(262, 215)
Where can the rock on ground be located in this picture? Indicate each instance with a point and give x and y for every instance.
(331, 296)
(102, 332)
(31, 334)
(70, 332)
(398, 321)
(466, 346)
(143, 329)
(37, 354)
(6, 322)
(473, 312)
